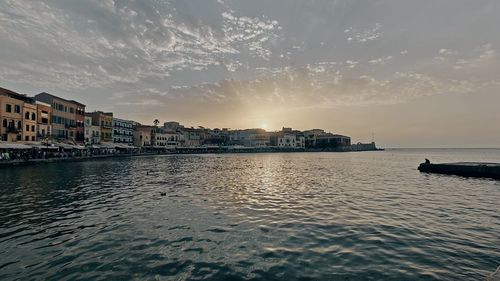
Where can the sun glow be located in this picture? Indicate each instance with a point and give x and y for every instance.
(264, 126)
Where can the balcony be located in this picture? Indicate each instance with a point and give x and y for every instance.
(13, 130)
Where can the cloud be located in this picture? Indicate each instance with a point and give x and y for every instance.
(447, 52)
(122, 42)
(318, 85)
(382, 60)
(364, 35)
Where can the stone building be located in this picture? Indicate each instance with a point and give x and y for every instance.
(11, 115)
(123, 131)
(92, 132)
(67, 117)
(142, 135)
(43, 124)
(30, 121)
(105, 121)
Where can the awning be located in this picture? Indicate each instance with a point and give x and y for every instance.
(12, 145)
(123, 145)
(40, 145)
(107, 145)
(65, 146)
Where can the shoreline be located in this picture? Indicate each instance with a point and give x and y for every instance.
(30, 162)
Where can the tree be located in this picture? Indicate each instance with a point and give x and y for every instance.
(156, 122)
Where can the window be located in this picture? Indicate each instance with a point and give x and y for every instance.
(17, 108)
(33, 116)
(8, 108)
(32, 128)
(32, 138)
(19, 125)
(27, 128)
(27, 115)
(4, 123)
(26, 138)
(71, 110)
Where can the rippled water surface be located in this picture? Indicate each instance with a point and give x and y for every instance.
(296, 216)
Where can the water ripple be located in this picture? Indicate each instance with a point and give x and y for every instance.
(303, 216)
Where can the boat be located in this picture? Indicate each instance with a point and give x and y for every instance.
(466, 169)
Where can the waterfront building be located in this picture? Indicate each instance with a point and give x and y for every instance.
(291, 140)
(92, 132)
(105, 121)
(217, 137)
(288, 138)
(318, 138)
(172, 125)
(174, 139)
(30, 121)
(142, 135)
(123, 131)
(158, 137)
(338, 142)
(261, 139)
(68, 117)
(312, 135)
(191, 137)
(249, 137)
(43, 124)
(363, 146)
(11, 115)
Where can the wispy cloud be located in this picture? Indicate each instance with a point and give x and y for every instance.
(364, 35)
(121, 42)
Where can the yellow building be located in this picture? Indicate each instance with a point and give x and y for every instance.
(11, 115)
(105, 121)
(29, 124)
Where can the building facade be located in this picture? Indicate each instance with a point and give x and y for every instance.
(291, 141)
(123, 131)
(30, 121)
(105, 121)
(338, 142)
(67, 117)
(43, 124)
(142, 136)
(159, 138)
(11, 115)
(191, 137)
(92, 133)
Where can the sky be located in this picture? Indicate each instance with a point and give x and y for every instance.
(406, 73)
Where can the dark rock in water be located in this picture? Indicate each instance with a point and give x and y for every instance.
(466, 169)
(163, 193)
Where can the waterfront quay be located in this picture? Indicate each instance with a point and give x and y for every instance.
(22, 154)
(45, 127)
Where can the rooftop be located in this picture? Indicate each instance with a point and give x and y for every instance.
(53, 96)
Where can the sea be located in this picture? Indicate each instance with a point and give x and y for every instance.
(263, 216)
